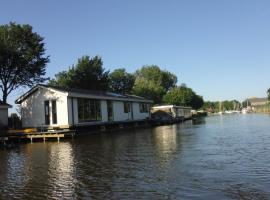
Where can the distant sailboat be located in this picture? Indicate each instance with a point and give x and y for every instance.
(220, 109)
(245, 110)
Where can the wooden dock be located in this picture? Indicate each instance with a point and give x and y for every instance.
(18, 135)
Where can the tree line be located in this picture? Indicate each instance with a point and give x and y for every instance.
(23, 64)
(150, 81)
(217, 106)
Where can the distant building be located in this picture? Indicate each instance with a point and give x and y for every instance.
(253, 102)
(61, 107)
(4, 114)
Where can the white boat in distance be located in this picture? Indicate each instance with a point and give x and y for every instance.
(245, 111)
(232, 111)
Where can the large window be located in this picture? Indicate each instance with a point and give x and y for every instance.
(144, 108)
(89, 110)
(126, 107)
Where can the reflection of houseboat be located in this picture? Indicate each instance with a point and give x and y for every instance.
(170, 113)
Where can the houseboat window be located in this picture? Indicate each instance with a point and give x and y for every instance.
(47, 112)
(144, 108)
(126, 107)
(89, 110)
(54, 112)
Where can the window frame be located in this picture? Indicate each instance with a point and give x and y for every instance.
(126, 106)
(144, 107)
(47, 115)
(89, 110)
(54, 111)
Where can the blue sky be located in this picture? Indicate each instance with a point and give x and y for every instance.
(219, 48)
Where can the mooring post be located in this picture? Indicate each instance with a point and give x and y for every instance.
(44, 139)
(31, 140)
(58, 139)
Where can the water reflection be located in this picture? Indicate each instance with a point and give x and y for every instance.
(61, 171)
(217, 158)
(166, 139)
(199, 121)
(15, 173)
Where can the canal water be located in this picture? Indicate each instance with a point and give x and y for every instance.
(220, 157)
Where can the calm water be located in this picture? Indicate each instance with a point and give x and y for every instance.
(215, 158)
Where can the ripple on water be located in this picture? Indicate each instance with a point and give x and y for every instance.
(217, 158)
(245, 192)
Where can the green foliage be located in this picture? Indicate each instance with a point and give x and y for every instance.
(148, 89)
(246, 103)
(22, 60)
(121, 82)
(150, 82)
(153, 83)
(221, 105)
(86, 74)
(62, 79)
(183, 96)
(197, 101)
(268, 94)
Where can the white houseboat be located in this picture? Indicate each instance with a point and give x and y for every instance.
(59, 107)
(4, 114)
(171, 112)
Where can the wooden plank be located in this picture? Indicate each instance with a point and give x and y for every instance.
(3, 138)
(45, 136)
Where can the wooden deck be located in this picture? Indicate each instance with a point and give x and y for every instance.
(32, 135)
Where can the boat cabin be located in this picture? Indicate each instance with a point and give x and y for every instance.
(171, 111)
(53, 106)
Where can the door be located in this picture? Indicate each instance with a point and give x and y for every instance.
(131, 110)
(54, 112)
(47, 112)
(110, 110)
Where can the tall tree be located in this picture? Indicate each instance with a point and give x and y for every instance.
(161, 77)
(22, 60)
(121, 81)
(152, 82)
(268, 94)
(88, 73)
(183, 96)
(148, 89)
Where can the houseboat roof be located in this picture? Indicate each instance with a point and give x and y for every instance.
(170, 106)
(258, 100)
(4, 105)
(74, 92)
